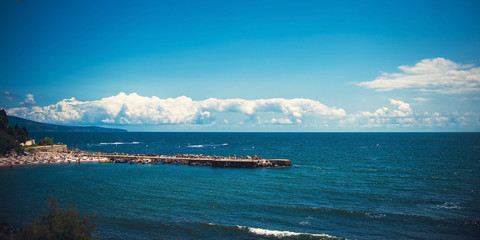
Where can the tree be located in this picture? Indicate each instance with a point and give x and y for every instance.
(11, 137)
(7, 134)
(26, 131)
(7, 142)
(58, 224)
(21, 135)
(3, 119)
(45, 141)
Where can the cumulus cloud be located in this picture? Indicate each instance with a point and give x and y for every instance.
(133, 109)
(400, 115)
(136, 109)
(438, 75)
(29, 100)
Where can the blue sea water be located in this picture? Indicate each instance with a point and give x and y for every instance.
(341, 185)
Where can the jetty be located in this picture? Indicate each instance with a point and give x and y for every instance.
(60, 154)
(196, 160)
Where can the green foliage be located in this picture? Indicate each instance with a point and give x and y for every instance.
(7, 142)
(10, 137)
(25, 131)
(3, 120)
(45, 141)
(21, 135)
(58, 224)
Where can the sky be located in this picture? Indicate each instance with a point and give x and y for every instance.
(315, 66)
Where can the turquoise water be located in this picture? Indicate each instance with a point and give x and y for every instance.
(341, 185)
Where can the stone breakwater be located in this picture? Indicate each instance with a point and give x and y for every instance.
(70, 156)
(198, 160)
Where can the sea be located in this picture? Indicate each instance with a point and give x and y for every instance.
(341, 186)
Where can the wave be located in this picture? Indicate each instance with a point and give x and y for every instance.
(195, 146)
(118, 143)
(207, 145)
(448, 205)
(386, 216)
(246, 233)
(336, 211)
(285, 234)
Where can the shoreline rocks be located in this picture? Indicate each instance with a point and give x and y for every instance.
(63, 155)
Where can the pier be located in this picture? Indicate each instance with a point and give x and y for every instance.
(60, 154)
(196, 160)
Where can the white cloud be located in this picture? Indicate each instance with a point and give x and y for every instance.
(438, 75)
(136, 109)
(402, 109)
(29, 100)
(400, 115)
(436, 120)
(133, 109)
(421, 99)
(279, 121)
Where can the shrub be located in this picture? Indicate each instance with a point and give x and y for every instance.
(58, 224)
(45, 141)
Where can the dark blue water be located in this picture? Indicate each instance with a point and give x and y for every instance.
(341, 185)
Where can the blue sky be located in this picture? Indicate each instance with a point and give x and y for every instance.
(244, 65)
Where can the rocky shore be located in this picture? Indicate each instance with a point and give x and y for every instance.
(58, 155)
(64, 157)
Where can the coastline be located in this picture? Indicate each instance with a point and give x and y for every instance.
(60, 154)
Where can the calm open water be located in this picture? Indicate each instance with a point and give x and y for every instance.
(341, 185)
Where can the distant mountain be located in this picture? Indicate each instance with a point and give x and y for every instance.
(44, 127)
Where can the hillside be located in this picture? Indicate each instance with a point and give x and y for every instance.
(33, 126)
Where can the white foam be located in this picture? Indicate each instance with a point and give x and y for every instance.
(119, 143)
(207, 145)
(280, 234)
(449, 205)
(304, 223)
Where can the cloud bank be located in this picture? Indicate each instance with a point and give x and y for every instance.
(401, 116)
(438, 75)
(133, 109)
(136, 109)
